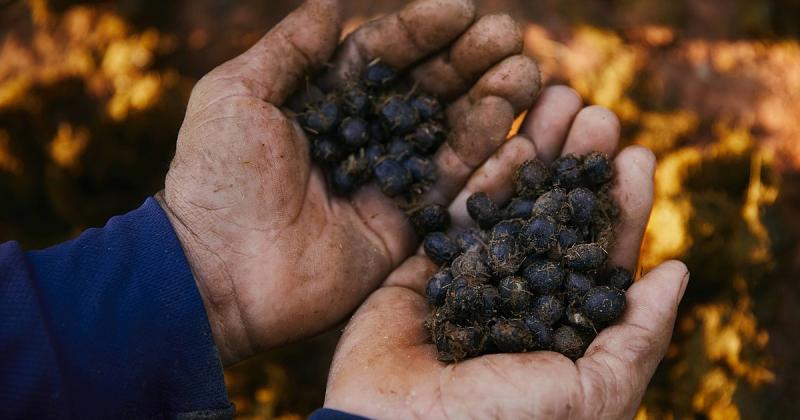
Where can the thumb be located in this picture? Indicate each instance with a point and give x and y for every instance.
(273, 67)
(620, 362)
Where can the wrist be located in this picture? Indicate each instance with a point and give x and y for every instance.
(215, 285)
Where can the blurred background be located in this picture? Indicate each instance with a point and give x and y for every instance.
(92, 94)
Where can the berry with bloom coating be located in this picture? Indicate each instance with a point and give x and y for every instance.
(620, 278)
(483, 210)
(440, 248)
(531, 178)
(436, 290)
(567, 172)
(585, 257)
(430, 218)
(597, 169)
(391, 176)
(603, 304)
(512, 336)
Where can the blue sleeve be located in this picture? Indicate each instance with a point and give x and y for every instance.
(109, 325)
(328, 414)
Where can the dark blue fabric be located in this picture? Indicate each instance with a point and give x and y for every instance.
(109, 325)
(328, 414)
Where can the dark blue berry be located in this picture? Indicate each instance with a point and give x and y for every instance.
(391, 176)
(342, 181)
(509, 227)
(461, 342)
(326, 151)
(379, 75)
(349, 174)
(398, 115)
(539, 234)
(515, 295)
(603, 305)
(430, 218)
(399, 149)
(440, 248)
(553, 204)
(374, 152)
(465, 297)
(471, 265)
(483, 210)
(542, 333)
(544, 277)
(504, 256)
(619, 278)
(491, 301)
(437, 287)
(583, 205)
(521, 208)
(427, 137)
(355, 102)
(353, 132)
(471, 239)
(575, 316)
(597, 169)
(577, 284)
(422, 169)
(585, 257)
(571, 342)
(548, 308)
(512, 336)
(323, 118)
(531, 178)
(567, 172)
(427, 106)
(567, 237)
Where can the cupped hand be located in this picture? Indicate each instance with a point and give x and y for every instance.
(275, 254)
(386, 367)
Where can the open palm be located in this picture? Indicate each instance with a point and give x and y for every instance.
(275, 254)
(386, 367)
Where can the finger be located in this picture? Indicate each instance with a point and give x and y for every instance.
(450, 73)
(474, 138)
(595, 129)
(273, 67)
(402, 38)
(413, 274)
(549, 122)
(493, 178)
(633, 193)
(515, 79)
(385, 333)
(621, 360)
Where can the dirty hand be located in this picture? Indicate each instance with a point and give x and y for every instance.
(385, 366)
(275, 255)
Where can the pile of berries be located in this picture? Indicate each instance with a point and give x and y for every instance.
(533, 275)
(376, 128)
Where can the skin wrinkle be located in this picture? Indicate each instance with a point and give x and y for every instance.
(409, 34)
(267, 93)
(205, 87)
(374, 237)
(307, 61)
(225, 345)
(219, 100)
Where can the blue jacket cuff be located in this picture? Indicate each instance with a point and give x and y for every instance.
(127, 323)
(328, 414)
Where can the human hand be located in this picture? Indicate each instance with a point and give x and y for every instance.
(275, 255)
(386, 367)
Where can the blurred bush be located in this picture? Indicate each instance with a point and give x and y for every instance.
(92, 96)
